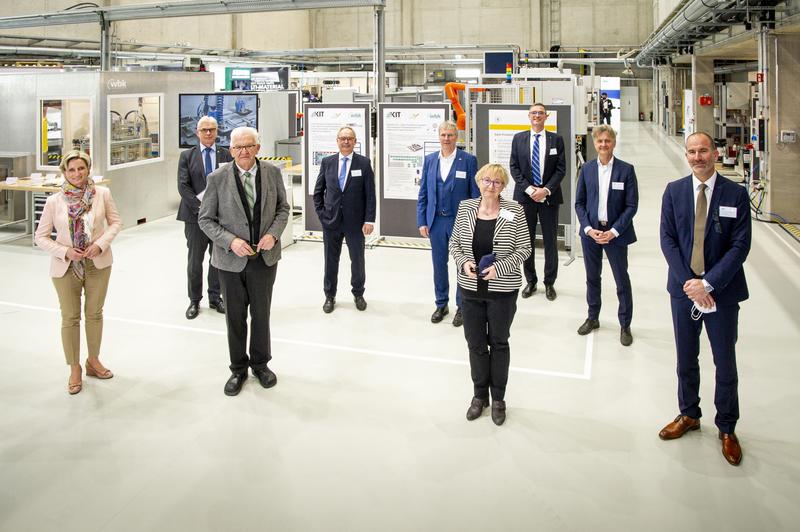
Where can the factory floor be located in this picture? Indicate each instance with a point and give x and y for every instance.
(365, 430)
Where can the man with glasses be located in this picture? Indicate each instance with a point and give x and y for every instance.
(194, 165)
(244, 211)
(448, 177)
(538, 164)
(705, 237)
(344, 199)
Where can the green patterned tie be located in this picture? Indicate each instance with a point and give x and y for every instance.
(249, 190)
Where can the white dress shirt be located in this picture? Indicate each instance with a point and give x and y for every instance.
(603, 184)
(710, 182)
(542, 141)
(349, 164)
(446, 163)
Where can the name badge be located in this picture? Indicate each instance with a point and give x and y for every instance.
(617, 185)
(507, 215)
(727, 212)
(553, 151)
(355, 173)
(461, 174)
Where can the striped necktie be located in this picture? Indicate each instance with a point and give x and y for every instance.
(208, 168)
(249, 190)
(537, 172)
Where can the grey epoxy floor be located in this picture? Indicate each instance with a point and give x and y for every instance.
(366, 428)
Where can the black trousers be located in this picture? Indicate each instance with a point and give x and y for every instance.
(251, 288)
(332, 240)
(487, 328)
(605, 117)
(197, 243)
(547, 215)
(722, 328)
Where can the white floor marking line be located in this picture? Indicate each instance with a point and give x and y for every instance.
(782, 240)
(586, 375)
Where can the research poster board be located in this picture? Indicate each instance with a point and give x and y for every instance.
(407, 132)
(492, 141)
(503, 125)
(322, 123)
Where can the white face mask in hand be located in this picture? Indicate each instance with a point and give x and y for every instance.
(698, 311)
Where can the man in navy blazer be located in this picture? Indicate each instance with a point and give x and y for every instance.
(194, 165)
(538, 190)
(705, 237)
(606, 201)
(344, 198)
(448, 177)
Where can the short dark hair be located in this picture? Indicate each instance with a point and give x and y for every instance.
(702, 134)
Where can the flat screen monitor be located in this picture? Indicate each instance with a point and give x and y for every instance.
(495, 62)
(231, 109)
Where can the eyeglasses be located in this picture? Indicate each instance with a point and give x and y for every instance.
(207, 129)
(247, 147)
(346, 139)
(489, 183)
(537, 113)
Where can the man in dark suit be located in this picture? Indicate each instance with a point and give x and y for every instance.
(244, 211)
(344, 198)
(606, 200)
(448, 177)
(538, 168)
(606, 106)
(705, 237)
(194, 165)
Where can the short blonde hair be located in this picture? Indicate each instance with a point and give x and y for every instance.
(493, 170)
(604, 128)
(75, 154)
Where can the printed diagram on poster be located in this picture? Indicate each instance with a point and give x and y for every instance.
(322, 125)
(409, 134)
(503, 125)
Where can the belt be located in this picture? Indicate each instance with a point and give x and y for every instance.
(603, 224)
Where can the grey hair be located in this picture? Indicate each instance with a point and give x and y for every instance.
(448, 125)
(245, 130)
(347, 127)
(604, 128)
(207, 119)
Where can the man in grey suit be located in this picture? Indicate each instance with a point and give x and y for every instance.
(244, 212)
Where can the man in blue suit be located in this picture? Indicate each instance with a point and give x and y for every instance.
(705, 237)
(606, 200)
(538, 164)
(344, 198)
(448, 177)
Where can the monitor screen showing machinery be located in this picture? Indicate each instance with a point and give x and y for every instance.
(231, 110)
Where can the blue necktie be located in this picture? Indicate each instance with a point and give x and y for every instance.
(343, 174)
(207, 161)
(537, 175)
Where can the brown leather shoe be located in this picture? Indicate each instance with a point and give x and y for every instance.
(680, 426)
(731, 449)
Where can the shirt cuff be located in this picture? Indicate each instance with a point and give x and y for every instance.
(707, 286)
(616, 234)
(369, 223)
(529, 190)
(548, 190)
(587, 229)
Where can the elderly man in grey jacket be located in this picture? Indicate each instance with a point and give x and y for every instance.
(244, 212)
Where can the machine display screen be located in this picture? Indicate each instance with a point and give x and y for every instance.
(231, 109)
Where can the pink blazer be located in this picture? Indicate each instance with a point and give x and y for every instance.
(105, 226)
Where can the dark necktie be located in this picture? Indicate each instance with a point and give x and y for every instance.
(537, 173)
(700, 214)
(207, 161)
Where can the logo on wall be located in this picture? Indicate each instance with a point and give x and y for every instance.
(116, 84)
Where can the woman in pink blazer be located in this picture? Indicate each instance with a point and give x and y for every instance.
(85, 220)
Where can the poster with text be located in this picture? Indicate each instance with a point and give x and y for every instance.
(503, 125)
(322, 125)
(409, 134)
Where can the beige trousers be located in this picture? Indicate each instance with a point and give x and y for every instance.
(69, 288)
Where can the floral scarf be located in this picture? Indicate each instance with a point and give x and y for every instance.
(79, 203)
